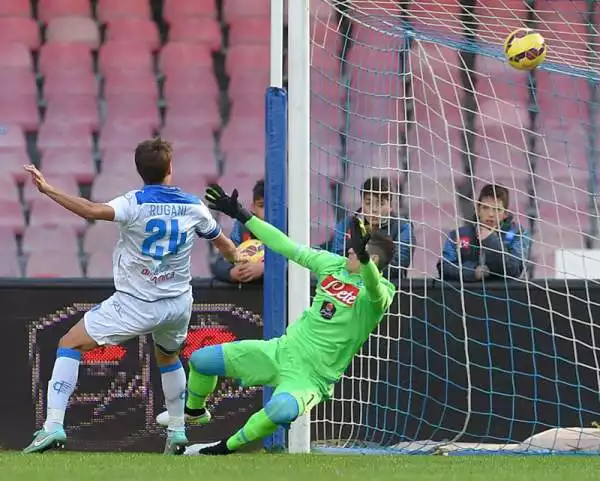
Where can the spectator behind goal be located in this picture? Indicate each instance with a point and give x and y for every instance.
(376, 207)
(222, 269)
(492, 246)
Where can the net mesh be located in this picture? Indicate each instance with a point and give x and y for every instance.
(419, 93)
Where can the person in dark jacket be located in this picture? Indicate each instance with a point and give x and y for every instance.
(492, 247)
(246, 272)
(376, 207)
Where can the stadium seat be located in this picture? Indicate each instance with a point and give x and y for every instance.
(76, 30)
(176, 9)
(12, 162)
(108, 10)
(130, 82)
(101, 236)
(62, 135)
(106, 186)
(64, 57)
(50, 9)
(100, 265)
(117, 56)
(21, 110)
(138, 30)
(200, 82)
(232, 9)
(326, 161)
(240, 137)
(246, 163)
(183, 56)
(192, 183)
(200, 265)
(63, 181)
(73, 109)
(8, 189)
(202, 30)
(130, 109)
(243, 183)
(9, 267)
(58, 264)
(11, 137)
(119, 162)
(15, 8)
(322, 223)
(8, 241)
(193, 112)
(14, 55)
(18, 81)
(123, 137)
(192, 161)
(250, 31)
(248, 83)
(186, 135)
(243, 58)
(12, 216)
(73, 82)
(46, 212)
(76, 162)
(20, 30)
(50, 239)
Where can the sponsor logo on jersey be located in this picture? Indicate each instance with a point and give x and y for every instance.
(327, 310)
(346, 293)
(152, 277)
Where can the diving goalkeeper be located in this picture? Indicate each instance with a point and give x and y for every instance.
(350, 301)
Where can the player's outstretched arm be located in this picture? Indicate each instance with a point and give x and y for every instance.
(226, 247)
(78, 205)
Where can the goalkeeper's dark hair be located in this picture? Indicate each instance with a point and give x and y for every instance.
(381, 245)
(258, 191)
(153, 160)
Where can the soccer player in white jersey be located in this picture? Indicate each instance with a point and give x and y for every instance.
(151, 267)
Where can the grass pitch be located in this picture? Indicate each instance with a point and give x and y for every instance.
(264, 467)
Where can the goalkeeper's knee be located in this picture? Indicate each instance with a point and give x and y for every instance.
(209, 361)
(282, 409)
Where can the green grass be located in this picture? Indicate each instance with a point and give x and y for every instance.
(262, 467)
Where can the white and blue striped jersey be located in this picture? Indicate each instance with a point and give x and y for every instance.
(158, 225)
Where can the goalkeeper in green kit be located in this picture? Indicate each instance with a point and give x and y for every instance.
(350, 301)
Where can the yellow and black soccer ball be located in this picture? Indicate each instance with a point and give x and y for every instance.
(525, 49)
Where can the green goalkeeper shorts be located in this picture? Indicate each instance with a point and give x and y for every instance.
(273, 363)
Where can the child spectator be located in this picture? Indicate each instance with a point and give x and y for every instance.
(492, 246)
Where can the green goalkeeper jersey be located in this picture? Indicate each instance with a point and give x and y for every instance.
(346, 307)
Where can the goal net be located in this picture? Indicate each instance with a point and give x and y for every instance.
(419, 93)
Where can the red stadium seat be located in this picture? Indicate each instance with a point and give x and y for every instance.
(203, 30)
(192, 183)
(46, 212)
(233, 9)
(120, 83)
(193, 111)
(9, 267)
(249, 83)
(119, 162)
(63, 135)
(138, 30)
(250, 31)
(11, 138)
(75, 162)
(75, 109)
(20, 30)
(65, 57)
(50, 239)
(176, 9)
(200, 265)
(18, 81)
(15, 8)
(12, 162)
(130, 109)
(8, 241)
(100, 237)
(78, 82)
(100, 265)
(244, 183)
(116, 56)
(186, 135)
(193, 163)
(21, 110)
(12, 216)
(74, 30)
(15, 55)
(191, 82)
(247, 163)
(239, 137)
(108, 186)
(59, 264)
(8, 189)
(50, 9)
(246, 58)
(123, 137)
(183, 56)
(63, 181)
(108, 10)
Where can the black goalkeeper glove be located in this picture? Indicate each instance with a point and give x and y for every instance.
(229, 205)
(359, 237)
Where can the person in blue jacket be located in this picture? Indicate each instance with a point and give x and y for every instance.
(376, 207)
(492, 246)
(242, 273)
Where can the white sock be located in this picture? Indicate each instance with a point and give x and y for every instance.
(173, 383)
(61, 386)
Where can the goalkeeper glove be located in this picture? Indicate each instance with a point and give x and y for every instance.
(229, 205)
(359, 237)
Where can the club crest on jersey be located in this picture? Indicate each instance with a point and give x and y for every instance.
(345, 293)
(327, 310)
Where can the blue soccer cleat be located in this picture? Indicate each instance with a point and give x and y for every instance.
(44, 440)
(176, 443)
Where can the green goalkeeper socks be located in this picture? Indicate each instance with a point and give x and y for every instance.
(200, 386)
(258, 426)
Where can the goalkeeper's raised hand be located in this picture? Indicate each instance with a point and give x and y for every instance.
(229, 205)
(359, 237)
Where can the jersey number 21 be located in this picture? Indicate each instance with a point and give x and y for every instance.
(159, 230)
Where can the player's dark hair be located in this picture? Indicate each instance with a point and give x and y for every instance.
(377, 186)
(258, 191)
(495, 192)
(382, 246)
(153, 160)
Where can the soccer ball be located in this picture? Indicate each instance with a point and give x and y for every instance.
(525, 49)
(251, 250)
